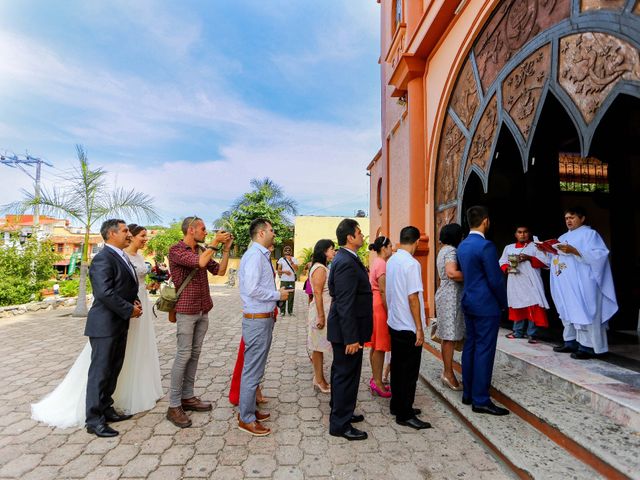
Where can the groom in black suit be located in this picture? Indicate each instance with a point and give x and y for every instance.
(349, 326)
(115, 301)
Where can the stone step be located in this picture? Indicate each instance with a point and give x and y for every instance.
(525, 449)
(561, 398)
(605, 388)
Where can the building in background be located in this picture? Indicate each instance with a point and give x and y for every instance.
(310, 228)
(526, 106)
(67, 240)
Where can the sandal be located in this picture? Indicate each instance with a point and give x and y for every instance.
(512, 336)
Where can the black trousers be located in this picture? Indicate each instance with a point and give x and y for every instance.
(107, 356)
(405, 368)
(345, 378)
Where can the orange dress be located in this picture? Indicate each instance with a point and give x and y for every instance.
(380, 339)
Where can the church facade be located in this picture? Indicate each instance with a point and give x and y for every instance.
(526, 106)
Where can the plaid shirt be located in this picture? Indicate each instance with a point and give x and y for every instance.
(196, 297)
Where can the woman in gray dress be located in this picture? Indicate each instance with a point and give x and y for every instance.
(448, 310)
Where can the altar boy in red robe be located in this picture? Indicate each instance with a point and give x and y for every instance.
(525, 291)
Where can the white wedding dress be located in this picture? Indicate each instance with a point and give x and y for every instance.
(139, 383)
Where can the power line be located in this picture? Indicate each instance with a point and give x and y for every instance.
(14, 161)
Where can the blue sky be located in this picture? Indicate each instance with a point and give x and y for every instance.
(187, 101)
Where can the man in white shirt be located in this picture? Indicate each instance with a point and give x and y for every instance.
(259, 296)
(287, 267)
(405, 319)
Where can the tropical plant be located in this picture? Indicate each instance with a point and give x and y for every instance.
(24, 269)
(159, 245)
(84, 195)
(266, 200)
(30, 260)
(307, 256)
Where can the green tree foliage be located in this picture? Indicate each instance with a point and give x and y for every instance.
(24, 268)
(159, 245)
(84, 195)
(267, 200)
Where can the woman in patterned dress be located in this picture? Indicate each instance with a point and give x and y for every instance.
(448, 296)
(317, 342)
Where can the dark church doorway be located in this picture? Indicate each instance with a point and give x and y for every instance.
(606, 184)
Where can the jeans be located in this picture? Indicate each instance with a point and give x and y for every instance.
(292, 285)
(519, 326)
(190, 332)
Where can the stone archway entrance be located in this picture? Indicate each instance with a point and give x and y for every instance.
(545, 113)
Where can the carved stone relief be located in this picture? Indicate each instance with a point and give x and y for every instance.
(464, 99)
(602, 5)
(452, 143)
(443, 218)
(483, 136)
(514, 23)
(591, 64)
(522, 89)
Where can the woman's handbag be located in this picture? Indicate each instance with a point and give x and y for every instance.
(169, 297)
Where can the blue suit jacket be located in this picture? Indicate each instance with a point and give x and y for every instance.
(350, 318)
(484, 292)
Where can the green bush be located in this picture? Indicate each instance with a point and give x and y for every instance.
(70, 288)
(16, 291)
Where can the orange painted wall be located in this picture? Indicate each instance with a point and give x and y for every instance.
(440, 38)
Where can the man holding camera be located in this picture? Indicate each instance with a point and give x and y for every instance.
(192, 312)
(259, 297)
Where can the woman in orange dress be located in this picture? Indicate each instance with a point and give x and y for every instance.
(380, 340)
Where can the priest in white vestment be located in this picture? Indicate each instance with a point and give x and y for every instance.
(582, 287)
(525, 291)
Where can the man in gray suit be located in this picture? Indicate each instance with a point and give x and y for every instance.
(115, 301)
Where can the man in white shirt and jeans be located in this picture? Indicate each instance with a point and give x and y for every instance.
(405, 319)
(287, 267)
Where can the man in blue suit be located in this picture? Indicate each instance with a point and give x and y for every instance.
(484, 296)
(349, 326)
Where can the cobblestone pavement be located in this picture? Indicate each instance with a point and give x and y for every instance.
(37, 350)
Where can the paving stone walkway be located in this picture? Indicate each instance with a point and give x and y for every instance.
(37, 350)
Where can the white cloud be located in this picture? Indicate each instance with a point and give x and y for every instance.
(115, 112)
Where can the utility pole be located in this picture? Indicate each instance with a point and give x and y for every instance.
(14, 161)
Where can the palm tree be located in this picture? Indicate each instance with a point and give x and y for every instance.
(85, 196)
(262, 189)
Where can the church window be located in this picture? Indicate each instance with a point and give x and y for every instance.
(582, 174)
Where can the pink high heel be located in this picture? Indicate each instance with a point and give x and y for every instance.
(377, 390)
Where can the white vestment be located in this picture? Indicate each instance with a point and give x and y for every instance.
(525, 289)
(582, 288)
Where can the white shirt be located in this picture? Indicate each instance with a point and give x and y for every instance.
(257, 283)
(288, 275)
(404, 277)
(476, 232)
(124, 257)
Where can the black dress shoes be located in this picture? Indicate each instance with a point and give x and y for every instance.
(564, 349)
(357, 418)
(415, 423)
(581, 355)
(351, 434)
(116, 417)
(102, 430)
(490, 409)
(466, 401)
(416, 411)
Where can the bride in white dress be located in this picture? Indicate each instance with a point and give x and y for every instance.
(139, 383)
